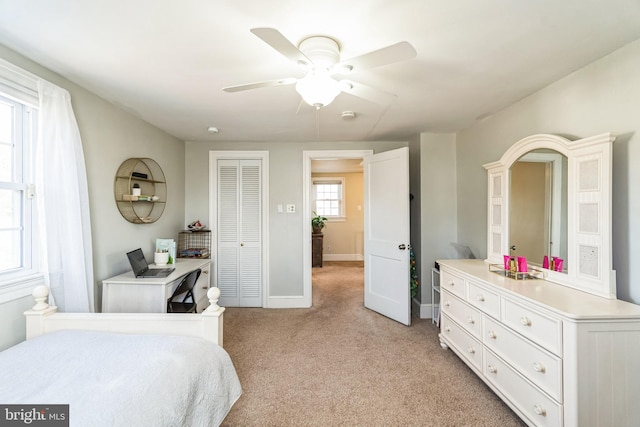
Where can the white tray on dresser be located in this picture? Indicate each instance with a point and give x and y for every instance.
(557, 356)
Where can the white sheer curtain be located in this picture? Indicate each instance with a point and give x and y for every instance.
(63, 203)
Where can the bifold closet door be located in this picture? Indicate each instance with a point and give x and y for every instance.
(239, 237)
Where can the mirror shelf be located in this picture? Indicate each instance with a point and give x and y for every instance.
(589, 180)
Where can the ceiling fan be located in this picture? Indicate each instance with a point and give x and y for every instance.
(319, 59)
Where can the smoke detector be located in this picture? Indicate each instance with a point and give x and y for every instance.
(348, 115)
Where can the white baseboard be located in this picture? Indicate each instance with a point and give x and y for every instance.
(288, 302)
(342, 257)
(424, 309)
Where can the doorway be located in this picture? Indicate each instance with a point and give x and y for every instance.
(308, 158)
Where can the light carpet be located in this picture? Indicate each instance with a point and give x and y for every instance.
(340, 364)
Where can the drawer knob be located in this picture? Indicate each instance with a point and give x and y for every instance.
(452, 283)
(492, 369)
(470, 320)
(447, 329)
(480, 297)
(447, 304)
(539, 367)
(492, 335)
(205, 271)
(471, 350)
(525, 321)
(539, 410)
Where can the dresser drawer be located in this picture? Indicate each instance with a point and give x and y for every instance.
(484, 299)
(466, 316)
(467, 347)
(453, 284)
(534, 404)
(539, 366)
(540, 328)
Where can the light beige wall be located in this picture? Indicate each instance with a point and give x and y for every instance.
(109, 136)
(601, 97)
(345, 239)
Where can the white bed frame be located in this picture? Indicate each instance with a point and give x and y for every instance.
(44, 318)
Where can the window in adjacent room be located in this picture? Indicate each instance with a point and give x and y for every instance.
(328, 197)
(18, 128)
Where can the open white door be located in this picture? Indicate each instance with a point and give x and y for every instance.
(386, 234)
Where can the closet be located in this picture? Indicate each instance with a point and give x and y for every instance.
(239, 210)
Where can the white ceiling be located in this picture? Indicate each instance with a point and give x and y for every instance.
(167, 61)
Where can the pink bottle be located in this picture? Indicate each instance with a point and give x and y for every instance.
(545, 262)
(522, 264)
(558, 263)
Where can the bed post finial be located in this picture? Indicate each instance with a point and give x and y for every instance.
(214, 295)
(40, 294)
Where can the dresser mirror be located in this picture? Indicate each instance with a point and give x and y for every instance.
(581, 235)
(538, 207)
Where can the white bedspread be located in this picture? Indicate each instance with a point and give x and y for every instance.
(111, 379)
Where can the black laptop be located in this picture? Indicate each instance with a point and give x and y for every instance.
(141, 268)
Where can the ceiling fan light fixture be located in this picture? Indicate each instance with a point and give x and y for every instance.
(318, 89)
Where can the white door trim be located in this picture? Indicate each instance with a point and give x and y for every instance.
(213, 189)
(307, 156)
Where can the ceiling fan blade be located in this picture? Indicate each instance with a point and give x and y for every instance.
(276, 40)
(387, 55)
(279, 82)
(367, 92)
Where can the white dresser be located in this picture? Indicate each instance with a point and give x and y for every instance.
(557, 356)
(127, 294)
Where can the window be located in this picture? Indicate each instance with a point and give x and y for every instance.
(328, 194)
(18, 127)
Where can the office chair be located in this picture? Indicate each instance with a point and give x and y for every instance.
(182, 300)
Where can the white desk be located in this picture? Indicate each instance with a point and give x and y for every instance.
(126, 294)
